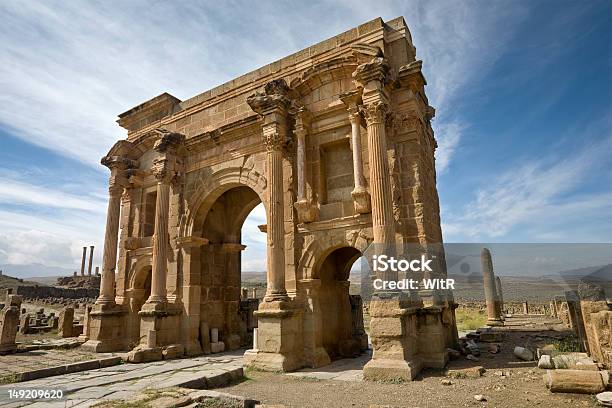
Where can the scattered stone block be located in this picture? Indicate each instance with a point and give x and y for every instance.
(173, 351)
(217, 347)
(65, 323)
(523, 353)
(574, 381)
(470, 372)
(604, 398)
(545, 362)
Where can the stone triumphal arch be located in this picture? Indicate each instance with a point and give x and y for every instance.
(336, 142)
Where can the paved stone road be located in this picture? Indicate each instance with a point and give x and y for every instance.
(37, 359)
(120, 382)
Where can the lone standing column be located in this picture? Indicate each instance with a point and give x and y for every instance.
(372, 77)
(361, 196)
(111, 236)
(272, 105)
(83, 261)
(500, 295)
(489, 288)
(91, 249)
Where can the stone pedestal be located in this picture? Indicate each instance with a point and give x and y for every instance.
(158, 325)
(279, 338)
(106, 329)
(393, 330)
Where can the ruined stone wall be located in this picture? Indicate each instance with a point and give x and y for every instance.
(39, 292)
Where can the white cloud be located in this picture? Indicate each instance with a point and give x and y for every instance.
(15, 192)
(448, 136)
(541, 196)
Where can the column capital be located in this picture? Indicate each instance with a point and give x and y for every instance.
(376, 112)
(162, 170)
(303, 119)
(352, 100)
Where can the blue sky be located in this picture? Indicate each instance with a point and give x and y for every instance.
(522, 89)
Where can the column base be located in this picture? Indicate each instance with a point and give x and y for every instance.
(391, 370)
(306, 211)
(361, 200)
(107, 329)
(158, 325)
(279, 336)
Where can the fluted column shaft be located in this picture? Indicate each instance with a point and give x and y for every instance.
(301, 165)
(276, 237)
(380, 180)
(160, 244)
(111, 237)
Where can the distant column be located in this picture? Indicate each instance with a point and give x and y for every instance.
(500, 295)
(525, 307)
(488, 277)
(97, 270)
(91, 249)
(83, 261)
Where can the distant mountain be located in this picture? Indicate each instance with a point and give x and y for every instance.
(35, 269)
(595, 273)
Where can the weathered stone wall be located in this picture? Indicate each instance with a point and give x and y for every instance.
(40, 292)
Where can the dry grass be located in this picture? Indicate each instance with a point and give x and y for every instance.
(470, 319)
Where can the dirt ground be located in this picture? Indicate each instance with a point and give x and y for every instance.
(507, 382)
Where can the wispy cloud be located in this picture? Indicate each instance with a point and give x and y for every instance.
(19, 193)
(537, 194)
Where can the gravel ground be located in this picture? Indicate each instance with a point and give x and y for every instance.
(507, 382)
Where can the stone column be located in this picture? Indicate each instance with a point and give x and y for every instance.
(493, 318)
(83, 261)
(372, 77)
(109, 256)
(279, 317)
(160, 236)
(272, 106)
(361, 196)
(91, 249)
(306, 210)
(500, 295)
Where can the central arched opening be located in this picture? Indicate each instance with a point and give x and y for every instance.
(342, 312)
(226, 311)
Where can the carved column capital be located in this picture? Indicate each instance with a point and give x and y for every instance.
(162, 170)
(376, 112)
